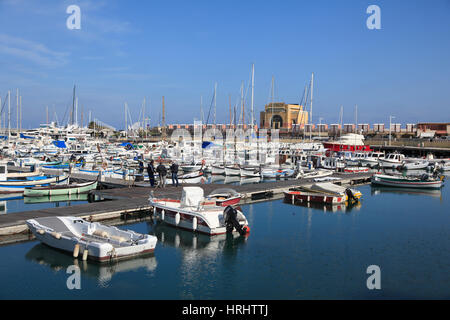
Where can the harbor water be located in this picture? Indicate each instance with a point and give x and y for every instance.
(292, 252)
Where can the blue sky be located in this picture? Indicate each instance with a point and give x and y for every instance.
(128, 50)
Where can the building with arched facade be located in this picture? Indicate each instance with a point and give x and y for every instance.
(279, 115)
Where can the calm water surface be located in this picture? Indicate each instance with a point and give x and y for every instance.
(293, 252)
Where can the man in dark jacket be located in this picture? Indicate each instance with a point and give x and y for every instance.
(151, 173)
(162, 171)
(174, 170)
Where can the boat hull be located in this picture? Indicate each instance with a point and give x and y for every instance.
(404, 183)
(101, 250)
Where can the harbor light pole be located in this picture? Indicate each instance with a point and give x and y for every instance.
(390, 128)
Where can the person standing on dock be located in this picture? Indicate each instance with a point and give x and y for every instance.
(151, 173)
(174, 170)
(162, 171)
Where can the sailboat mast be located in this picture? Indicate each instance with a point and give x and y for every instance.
(271, 106)
(311, 106)
(17, 105)
(163, 119)
(9, 115)
(126, 125)
(252, 101)
(215, 102)
(73, 106)
(242, 102)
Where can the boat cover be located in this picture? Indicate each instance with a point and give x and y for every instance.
(191, 196)
(328, 187)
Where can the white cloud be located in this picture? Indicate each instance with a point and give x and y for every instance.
(32, 51)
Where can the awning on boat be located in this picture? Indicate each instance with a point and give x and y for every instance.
(60, 144)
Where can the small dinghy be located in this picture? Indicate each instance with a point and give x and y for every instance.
(68, 189)
(416, 165)
(325, 192)
(195, 213)
(193, 177)
(249, 172)
(356, 169)
(225, 197)
(423, 182)
(232, 170)
(319, 173)
(217, 170)
(91, 240)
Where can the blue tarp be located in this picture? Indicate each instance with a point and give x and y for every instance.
(127, 145)
(25, 137)
(4, 137)
(207, 144)
(60, 144)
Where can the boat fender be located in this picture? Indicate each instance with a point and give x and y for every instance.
(177, 218)
(85, 254)
(100, 233)
(162, 214)
(41, 231)
(76, 250)
(246, 229)
(56, 235)
(194, 223)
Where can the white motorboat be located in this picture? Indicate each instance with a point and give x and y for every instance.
(191, 168)
(90, 239)
(217, 170)
(193, 177)
(232, 170)
(319, 173)
(423, 182)
(195, 213)
(372, 159)
(415, 165)
(392, 160)
(250, 172)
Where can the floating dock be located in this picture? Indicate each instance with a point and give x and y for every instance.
(126, 199)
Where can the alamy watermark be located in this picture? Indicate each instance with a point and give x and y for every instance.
(374, 280)
(374, 20)
(74, 20)
(73, 281)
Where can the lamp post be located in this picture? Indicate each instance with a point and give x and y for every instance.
(390, 128)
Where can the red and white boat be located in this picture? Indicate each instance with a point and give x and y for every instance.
(225, 197)
(356, 169)
(195, 213)
(348, 142)
(305, 196)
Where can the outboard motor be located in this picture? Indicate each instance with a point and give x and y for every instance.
(350, 195)
(424, 177)
(231, 221)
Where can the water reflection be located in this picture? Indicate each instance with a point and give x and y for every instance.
(326, 207)
(57, 199)
(201, 256)
(195, 245)
(60, 261)
(378, 190)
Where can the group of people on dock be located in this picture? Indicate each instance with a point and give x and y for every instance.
(161, 170)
